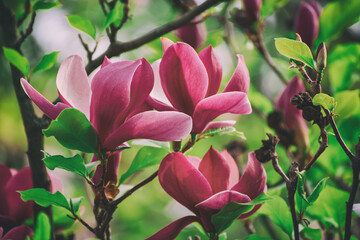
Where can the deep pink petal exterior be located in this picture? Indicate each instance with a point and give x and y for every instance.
(49, 109)
(183, 77)
(213, 68)
(234, 170)
(173, 229)
(166, 43)
(193, 34)
(117, 89)
(220, 199)
(182, 181)
(112, 169)
(253, 181)
(160, 126)
(18, 233)
(210, 108)
(73, 84)
(240, 80)
(307, 23)
(105, 62)
(5, 175)
(216, 170)
(252, 9)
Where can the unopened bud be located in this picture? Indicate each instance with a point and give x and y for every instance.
(252, 9)
(193, 34)
(321, 57)
(307, 23)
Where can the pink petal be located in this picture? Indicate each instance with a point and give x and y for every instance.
(5, 176)
(17, 209)
(157, 92)
(182, 181)
(193, 34)
(117, 90)
(253, 181)
(6, 224)
(219, 200)
(160, 126)
(183, 77)
(195, 161)
(18, 233)
(240, 80)
(73, 84)
(105, 62)
(158, 105)
(112, 169)
(210, 108)
(49, 109)
(216, 170)
(213, 68)
(166, 43)
(234, 170)
(173, 229)
(219, 124)
(307, 23)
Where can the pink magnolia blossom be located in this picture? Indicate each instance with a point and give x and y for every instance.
(114, 102)
(188, 82)
(307, 22)
(206, 186)
(193, 34)
(252, 9)
(17, 233)
(13, 210)
(292, 116)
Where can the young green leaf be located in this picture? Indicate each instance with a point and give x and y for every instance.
(82, 24)
(151, 143)
(325, 101)
(91, 167)
(296, 50)
(348, 103)
(47, 62)
(43, 227)
(74, 131)
(317, 190)
(256, 237)
(115, 15)
(73, 164)
(43, 5)
(300, 187)
(146, 157)
(16, 59)
(222, 131)
(311, 233)
(44, 198)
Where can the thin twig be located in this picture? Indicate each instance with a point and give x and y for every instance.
(323, 145)
(27, 32)
(26, 13)
(305, 75)
(117, 48)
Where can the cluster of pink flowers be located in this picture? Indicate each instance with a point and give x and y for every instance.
(182, 87)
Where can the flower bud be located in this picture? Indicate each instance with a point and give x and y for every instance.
(252, 9)
(193, 34)
(321, 56)
(307, 23)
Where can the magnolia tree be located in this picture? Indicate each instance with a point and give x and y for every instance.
(206, 153)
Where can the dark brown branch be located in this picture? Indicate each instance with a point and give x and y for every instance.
(103, 8)
(117, 48)
(305, 75)
(26, 13)
(27, 32)
(323, 145)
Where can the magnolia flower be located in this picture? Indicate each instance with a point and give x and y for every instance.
(193, 34)
(17, 233)
(112, 167)
(206, 186)
(113, 102)
(292, 116)
(13, 210)
(307, 22)
(252, 9)
(188, 83)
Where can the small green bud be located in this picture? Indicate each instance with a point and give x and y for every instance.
(321, 56)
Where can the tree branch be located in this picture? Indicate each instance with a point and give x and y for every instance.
(117, 48)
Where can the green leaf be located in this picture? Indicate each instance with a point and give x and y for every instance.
(74, 131)
(43, 227)
(348, 103)
(296, 50)
(43, 5)
(151, 143)
(330, 208)
(91, 167)
(44, 198)
(336, 16)
(82, 24)
(115, 15)
(47, 62)
(343, 65)
(16, 59)
(325, 101)
(278, 211)
(73, 164)
(317, 190)
(61, 219)
(231, 211)
(222, 131)
(256, 237)
(269, 7)
(311, 233)
(301, 200)
(146, 156)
